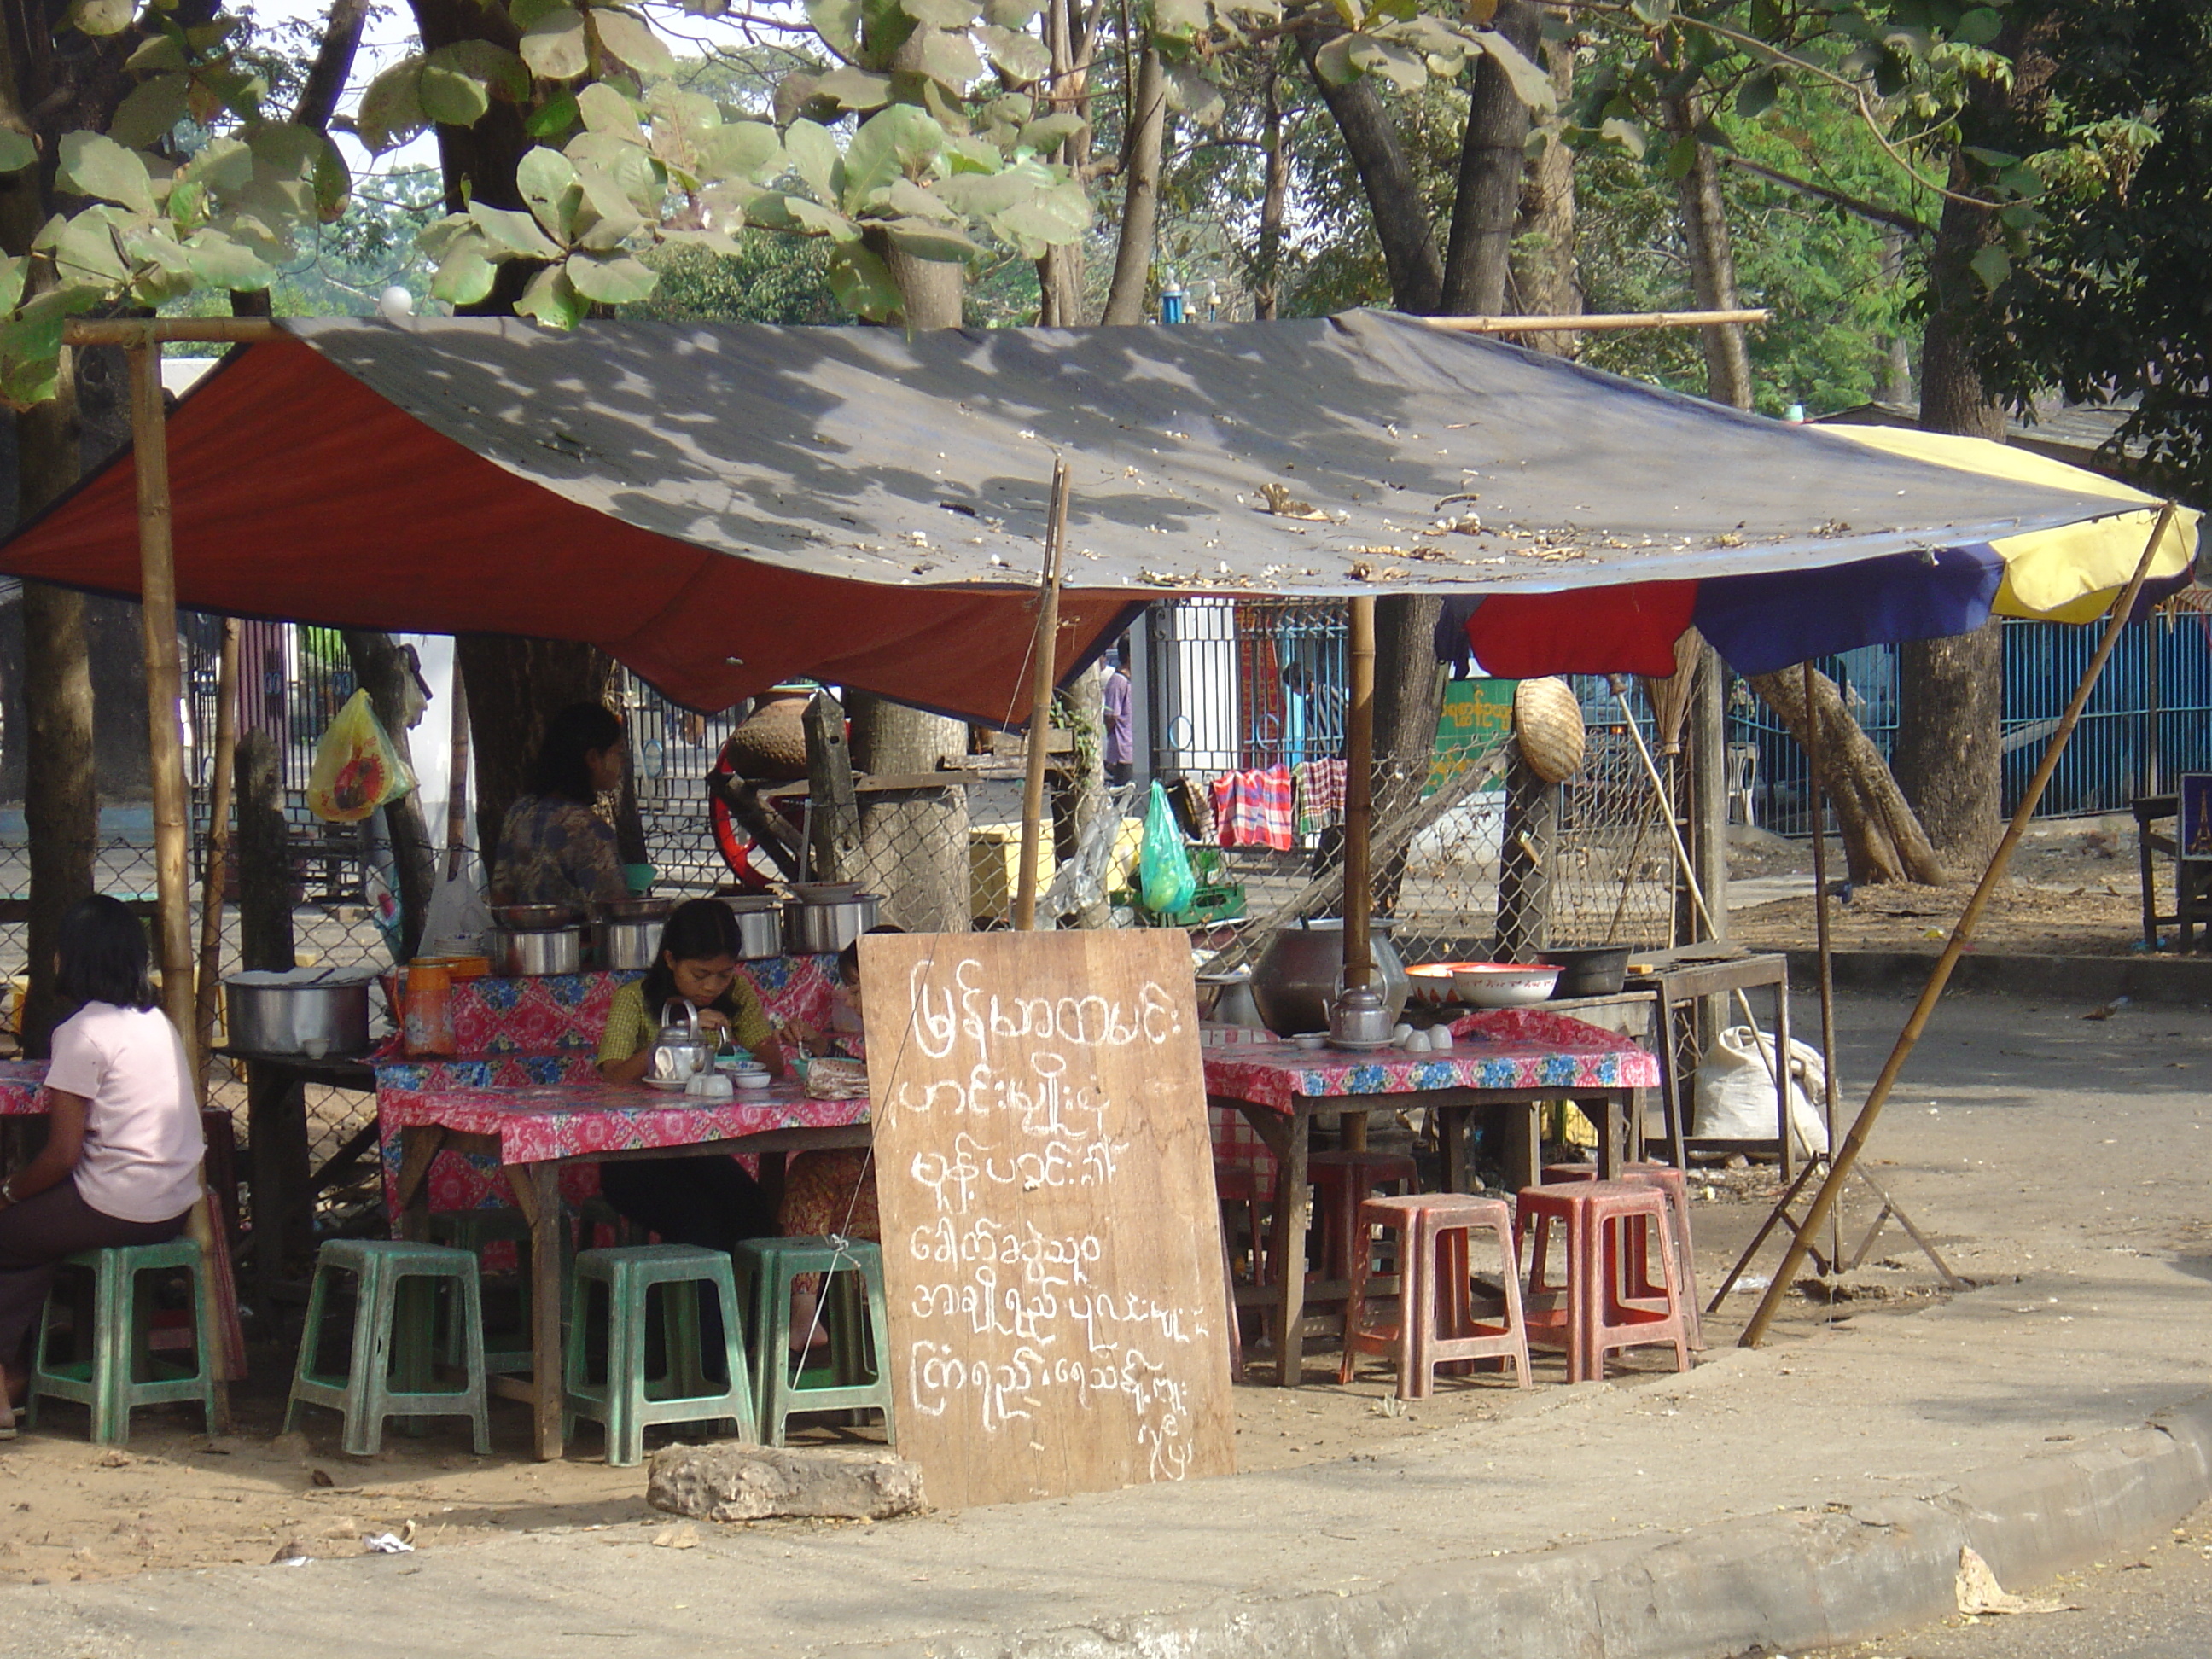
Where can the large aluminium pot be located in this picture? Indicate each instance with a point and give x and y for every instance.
(536, 956)
(810, 930)
(273, 1012)
(1297, 973)
(620, 946)
(759, 924)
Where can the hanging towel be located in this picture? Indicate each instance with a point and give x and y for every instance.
(1253, 809)
(1319, 788)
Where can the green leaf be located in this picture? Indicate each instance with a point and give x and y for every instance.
(220, 164)
(624, 183)
(219, 262)
(1018, 56)
(555, 45)
(554, 118)
(1333, 62)
(16, 152)
(2021, 181)
(93, 164)
(1190, 91)
(741, 150)
(1979, 27)
(897, 141)
(612, 279)
(1010, 14)
(1179, 19)
(1992, 264)
(30, 361)
(85, 252)
(548, 181)
(1050, 132)
(1681, 156)
(854, 88)
(951, 59)
(838, 24)
(1654, 12)
(502, 72)
(102, 17)
(452, 97)
(940, 14)
(391, 110)
(467, 274)
(605, 110)
(816, 220)
(1757, 94)
(813, 155)
(926, 239)
(633, 41)
(552, 299)
(1531, 83)
(513, 232)
(863, 284)
(149, 111)
(910, 200)
(13, 273)
(155, 53)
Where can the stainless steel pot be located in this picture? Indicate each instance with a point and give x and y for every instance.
(622, 945)
(1296, 976)
(534, 956)
(819, 929)
(279, 1013)
(759, 924)
(633, 909)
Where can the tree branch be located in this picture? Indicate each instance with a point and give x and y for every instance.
(1874, 212)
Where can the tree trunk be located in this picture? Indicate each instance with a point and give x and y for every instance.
(61, 802)
(1061, 273)
(1712, 260)
(383, 669)
(333, 63)
(1079, 796)
(1493, 154)
(1524, 863)
(1140, 197)
(1409, 686)
(265, 856)
(1882, 840)
(1267, 260)
(833, 825)
(513, 687)
(1394, 195)
(1546, 282)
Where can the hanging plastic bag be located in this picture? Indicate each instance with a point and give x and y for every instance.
(456, 920)
(1164, 864)
(356, 769)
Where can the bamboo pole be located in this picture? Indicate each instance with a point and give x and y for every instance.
(1821, 934)
(1358, 801)
(1597, 323)
(1839, 1167)
(134, 331)
(217, 875)
(1044, 657)
(457, 778)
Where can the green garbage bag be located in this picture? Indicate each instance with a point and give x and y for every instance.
(1164, 865)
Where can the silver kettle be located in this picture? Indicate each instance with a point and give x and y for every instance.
(1360, 1018)
(682, 1051)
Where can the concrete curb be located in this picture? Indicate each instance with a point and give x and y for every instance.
(2087, 981)
(1769, 1583)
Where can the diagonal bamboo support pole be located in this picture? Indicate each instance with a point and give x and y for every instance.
(1840, 1166)
(1044, 659)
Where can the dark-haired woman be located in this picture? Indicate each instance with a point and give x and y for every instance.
(122, 1160)
(707, 1201)
(556, 846)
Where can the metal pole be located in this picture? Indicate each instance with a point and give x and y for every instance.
(1043, 661)
(217, 875)
(1358, 799)
(1839, 1168)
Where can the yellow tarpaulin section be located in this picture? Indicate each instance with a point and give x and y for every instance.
(2071, 574)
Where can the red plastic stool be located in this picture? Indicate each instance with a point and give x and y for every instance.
(1634, 1275)
(1341, 1180)
(1437, 1324)
(1586, 1313)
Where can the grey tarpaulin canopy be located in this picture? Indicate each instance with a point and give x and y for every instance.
(721, 505)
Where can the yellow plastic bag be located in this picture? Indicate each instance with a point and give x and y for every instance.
(356, 769)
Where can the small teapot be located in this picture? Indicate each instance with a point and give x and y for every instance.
(1360, 1018)
(682, 1051)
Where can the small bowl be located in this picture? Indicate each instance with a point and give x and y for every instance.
(1311, 1040)
(315, 1048)
(750, 1076)
(824, 892)
(535, 918)
(1503, 984)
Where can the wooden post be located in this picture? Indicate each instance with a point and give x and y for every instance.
(217, 877)
(1045, 662)
(457, 780)
(1840, 1166)
(833, 825)
(1528, 837)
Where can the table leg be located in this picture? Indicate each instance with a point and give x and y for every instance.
(1670, 1085)
(1451, 1123)
(1781, 1065)
(283, 1212)
(538, 1195)
(1523, 1158)
(418, 1149)
(1293, 1205)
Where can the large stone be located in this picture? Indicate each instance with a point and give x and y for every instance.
(734, 1482)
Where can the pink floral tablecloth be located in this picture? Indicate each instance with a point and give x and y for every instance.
(577, 1120)
(23, 1088)
(1505, 1049)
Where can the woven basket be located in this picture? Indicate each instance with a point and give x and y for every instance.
(1548, 723)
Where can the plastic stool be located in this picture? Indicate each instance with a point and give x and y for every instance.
(1437, 1323)
(471, 1230)
(1635, 1270)
(1341, 1180)
(394, 1340)
(627, 1400)
(121, 1373)
(1586, 1314)
(861, 1373)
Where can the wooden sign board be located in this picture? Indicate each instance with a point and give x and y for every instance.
(1052, 1245)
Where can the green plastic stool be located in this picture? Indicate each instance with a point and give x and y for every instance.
(508, 1351)
(394, 1341)
(121, 1372)
(629, 1399)
(859, 1368)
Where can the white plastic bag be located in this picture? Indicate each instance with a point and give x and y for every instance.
(1735, 1092)
(458, 917)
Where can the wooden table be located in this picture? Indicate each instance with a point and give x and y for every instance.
(535, 1131)
(1510, 1059)
(1682, 976)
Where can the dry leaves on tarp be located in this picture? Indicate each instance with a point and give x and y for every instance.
(1979, 1592)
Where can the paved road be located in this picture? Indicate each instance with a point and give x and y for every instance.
(2154, 1603)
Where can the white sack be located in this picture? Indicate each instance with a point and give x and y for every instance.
(1735, 1092)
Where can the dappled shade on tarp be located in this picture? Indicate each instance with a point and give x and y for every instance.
(721, 506)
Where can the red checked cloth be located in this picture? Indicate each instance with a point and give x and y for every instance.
(1253, 809)
(1319, 792)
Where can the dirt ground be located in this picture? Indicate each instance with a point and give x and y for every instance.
(2073, 890)
(74, 1512)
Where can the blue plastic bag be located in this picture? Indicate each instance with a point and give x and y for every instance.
(1164, 865)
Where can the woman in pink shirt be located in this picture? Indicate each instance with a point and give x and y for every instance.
(122, 1159)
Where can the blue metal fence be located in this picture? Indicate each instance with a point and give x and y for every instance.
(2149, 719)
